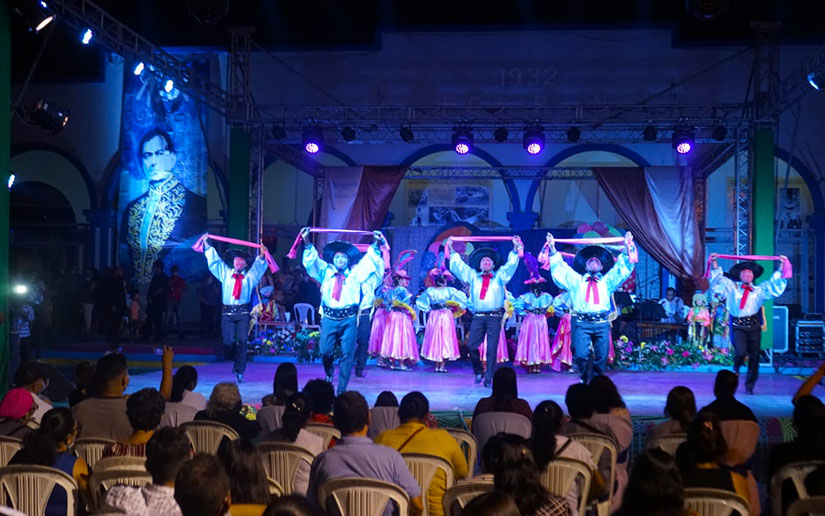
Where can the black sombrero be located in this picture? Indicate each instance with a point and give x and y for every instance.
(231, 254)
(484, 252)
(339, 246)
(737, 269)
(591, 251)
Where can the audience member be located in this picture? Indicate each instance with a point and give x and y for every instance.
(323, 396)
(611, 410)
(680, 408)
(166, 452)
(104, 415)
(812, 381)
(547, 444)
(284, 385)
(655, 487)
(248, 483)
(357, 456)
(202, 487)
(494, 503)
(726, 406)
(413, 436)
(292, 505)
(34, 378)
(49, 446)
(16, 412)
(515, 472)
(144, 410)
(296, 415)
(83, 373)
(504, 397)
(184, 403)
(386, 399)
(224, 406)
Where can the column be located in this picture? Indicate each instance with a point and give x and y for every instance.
(763, 199)
(238, 198)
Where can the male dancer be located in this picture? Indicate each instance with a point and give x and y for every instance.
(591, 283)
(744, 304)
(341, 296)
(487, 296)
(237, 284)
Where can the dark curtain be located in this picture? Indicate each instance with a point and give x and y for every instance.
(375, 193)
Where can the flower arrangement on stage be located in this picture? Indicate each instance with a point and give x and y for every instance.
(663, 354)
(308, 346)
(274, 341)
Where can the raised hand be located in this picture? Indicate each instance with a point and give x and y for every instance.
(379, 237)
(628, 239)
(305, 235)
(517, 244)
(206, 240)
(448, 244)
(551, 242)
(263, 250)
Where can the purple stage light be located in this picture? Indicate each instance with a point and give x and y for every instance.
(533, 148)
(533, 139)
(312, 139)
(462, 140)
(312, 147)
(462, 148)
(683, 148)
(683, 139)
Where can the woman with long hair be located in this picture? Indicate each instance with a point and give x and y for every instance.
(680, 408)
(612, 411)
(284, 385)
(504, 397)
(248, 483)
(655, 487)
(184, 384)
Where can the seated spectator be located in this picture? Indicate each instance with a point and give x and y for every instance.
(357, 456)
(495, 503)
(83, 373)
(655, 487)
(726, 406)
(34, 378)
(296, 415)
(700, 457)
(202, 487)
(386, 417)
(547, 444)
(144, 410)
(488, 457)
(184, 403)
(224, 406)
(505, 396)
(323, 396)
(292, 505)
(515, 472)
(284, 385)
(49, 446)
(680, 408)
(248, 483)
(166, 452)
(611, 410)
(386, 399)
(104, 415)
(413, 436)
(16, 412)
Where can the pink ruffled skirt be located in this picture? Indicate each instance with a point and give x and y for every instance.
(533, 341)
(440, 341)
(399, 340)
(560, 353)
(502, 354)
(379, 321)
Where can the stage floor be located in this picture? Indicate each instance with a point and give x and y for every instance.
(644, 392)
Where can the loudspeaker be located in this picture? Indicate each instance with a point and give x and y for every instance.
(780, 329)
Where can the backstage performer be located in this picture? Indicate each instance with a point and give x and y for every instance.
(399, 343)
(503, 350)
(533, 349)
(441, 304)
(591, 281)
(237, 284)
(745, 302)
(340, 273)
(487, 296)
(365, 311)
(562, 356)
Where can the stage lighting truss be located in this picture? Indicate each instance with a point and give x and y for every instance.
(406, 133)
(36, 13)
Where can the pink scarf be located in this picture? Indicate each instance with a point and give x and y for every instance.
(482, 239)
(544, 256)
(787, 269)
(198, 247)
(293, 251)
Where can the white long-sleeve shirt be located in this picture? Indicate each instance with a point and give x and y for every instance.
(733, 292)
(224, 273)
(576, 284)
(354, 276)
(494, 300)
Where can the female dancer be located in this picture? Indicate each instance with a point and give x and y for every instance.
(398, 343)
(561, 355)
(441, 303)
(534, 338)
(379, 319)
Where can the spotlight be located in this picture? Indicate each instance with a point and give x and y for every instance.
(573, 134)
(462, 139)
(48, 116)
(139, 68)
(20, 289)
(816, 80)
(278, 132)
(650, 134)
(533, 139)
(36, 14)
(313, 138)
(348, 133)
(720, 132)
(12, 177)
(86, 36)
(683, 139)
(406, 133)
(169, 86)
(501, 134)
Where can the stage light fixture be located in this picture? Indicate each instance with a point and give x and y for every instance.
(720, 132)
(501, 134)
(406, 133)
(20, 289)
(86, 36)
(533, 139)
(573, 134)
(278, 132)
(816, 80)
(48, 116)
(462, 140)
(139, 68)
(347, 133)
(312, 139)
(12, 177)
(37, 15)
(650, 133)
(683, 139)
(169, 85)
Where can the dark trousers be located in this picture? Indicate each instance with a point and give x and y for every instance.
(489, 326)
(747, 343)
(362, 342)
(584, 335)
(209, 318)
(153, 326)
(112, 320)
(234, 329)
(173, 314)
(342, 331)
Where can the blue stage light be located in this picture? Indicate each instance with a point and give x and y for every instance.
(86, 36)
(139, 68)
(815, 80)
(169, 86)
(533, 139)
(683, 139)
(12, 177)
(462, 140)
(313, 139)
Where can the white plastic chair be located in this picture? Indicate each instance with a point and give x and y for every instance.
(206, 436)
(424, 467)
(91, 449)
(101, 481)
(596, 444)
(815, 506)
(28, 488)
(560, 474)
(275, 488)
(362, 496)
(490, 423)
(305, 316)
(796, 472)
(715, 502)
(458, 496)
(281, 460)
(8, 447)
(269, 418)
(326, 432)
(121, 464)
(467, 443)
(667, 443)
(381, 419)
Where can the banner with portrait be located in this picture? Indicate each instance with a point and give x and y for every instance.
(162, 195)
(435, 203)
